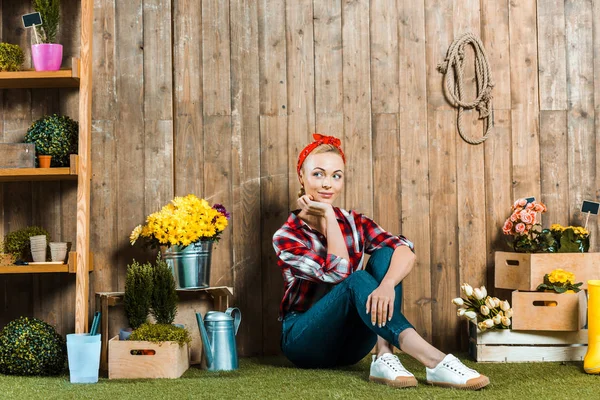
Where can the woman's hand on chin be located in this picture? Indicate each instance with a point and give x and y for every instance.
(311, 207)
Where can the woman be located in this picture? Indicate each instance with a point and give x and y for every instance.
(334, 309)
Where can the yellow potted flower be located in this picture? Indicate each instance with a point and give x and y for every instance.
(560, 281)
(185, 230)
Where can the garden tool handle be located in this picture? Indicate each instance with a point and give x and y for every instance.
(237, 318)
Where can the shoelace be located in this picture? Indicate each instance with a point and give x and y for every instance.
(457, 366)
(393, 362)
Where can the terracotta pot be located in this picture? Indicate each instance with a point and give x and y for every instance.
(44, 161)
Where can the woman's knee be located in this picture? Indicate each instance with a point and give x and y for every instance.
(379, 262)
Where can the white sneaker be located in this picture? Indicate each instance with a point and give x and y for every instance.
(451, 372)
(388, 370)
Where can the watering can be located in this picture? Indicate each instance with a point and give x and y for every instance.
(218, 332)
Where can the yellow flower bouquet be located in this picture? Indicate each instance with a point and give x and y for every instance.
(560, 281)
(185, 220)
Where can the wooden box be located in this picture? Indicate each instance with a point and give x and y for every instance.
(17, 155)
(541, 311)
(505, 345)
(525, 271)
(168, 360)
(189, 303)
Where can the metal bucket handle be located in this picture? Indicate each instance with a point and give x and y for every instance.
(237, 318)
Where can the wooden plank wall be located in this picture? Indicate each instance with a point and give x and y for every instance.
(217, 98)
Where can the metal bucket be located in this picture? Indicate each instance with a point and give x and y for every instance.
(190, 265)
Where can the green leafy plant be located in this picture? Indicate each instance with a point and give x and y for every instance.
(29, 346)
(571, 239)
(17, 242)
(50, 12)
(560, 281)
(11, 57)
(159, 333)
(55, 136)
(138, 293)
(164, 293)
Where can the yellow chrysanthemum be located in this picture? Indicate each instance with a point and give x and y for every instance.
(135, 234)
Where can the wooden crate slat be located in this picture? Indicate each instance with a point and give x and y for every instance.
(529, 353)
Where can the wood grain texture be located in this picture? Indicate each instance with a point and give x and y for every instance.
(84, 173)
(438, 29)
(272, 62)
(581, 109)
(414, 164)
(247, 274)
(274, 211)
(444, 223)
(215, 57)
(496, 41)
(103, 64)
(187, 98)
(218, 189)
(470, 159)
(524, 99)
(357, 102)
(301, 90)
(384, 57)
(327, 17)
(555, 179)
(498, 197)
(551, 54)
(129, 132)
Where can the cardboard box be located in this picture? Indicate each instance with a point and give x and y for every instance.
(541, 311)
(525, 271)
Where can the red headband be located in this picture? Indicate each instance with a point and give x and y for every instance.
(319, 140)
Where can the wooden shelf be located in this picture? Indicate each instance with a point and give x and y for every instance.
(41, 174)
(31, 79)
(39, 268)
(34, 269)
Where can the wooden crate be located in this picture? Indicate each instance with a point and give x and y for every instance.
(525, 271)
(506, 345)
(189, 303)
(541, 311)
(169, 360)
(17, 155)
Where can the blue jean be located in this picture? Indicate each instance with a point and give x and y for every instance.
(336, 330)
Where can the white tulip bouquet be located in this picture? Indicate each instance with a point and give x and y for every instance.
(486, 311)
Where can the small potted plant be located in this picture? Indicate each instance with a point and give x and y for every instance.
(54, 136)
(47, 54)
(150, 288)
(11, 57)
(17, 242)
(138, 296)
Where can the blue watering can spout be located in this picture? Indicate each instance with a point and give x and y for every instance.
(208, 350)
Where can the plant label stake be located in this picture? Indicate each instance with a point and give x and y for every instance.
(589, 207)
(530, 199)
(30, 20)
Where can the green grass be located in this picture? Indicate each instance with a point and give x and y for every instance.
(275, 378)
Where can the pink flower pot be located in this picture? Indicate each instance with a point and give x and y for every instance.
(47, 56)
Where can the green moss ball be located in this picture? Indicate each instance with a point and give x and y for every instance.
(29, 346)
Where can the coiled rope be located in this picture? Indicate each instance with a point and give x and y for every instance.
(454, 87)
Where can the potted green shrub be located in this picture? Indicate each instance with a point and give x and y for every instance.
(138, 296)
(55, 136)
(164, 293)
(29, 346)
(47, 54)
(17, 242)
(11, 57)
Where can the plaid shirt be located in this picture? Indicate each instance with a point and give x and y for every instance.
(308, 271)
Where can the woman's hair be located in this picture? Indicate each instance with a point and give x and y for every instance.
(323, 148)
